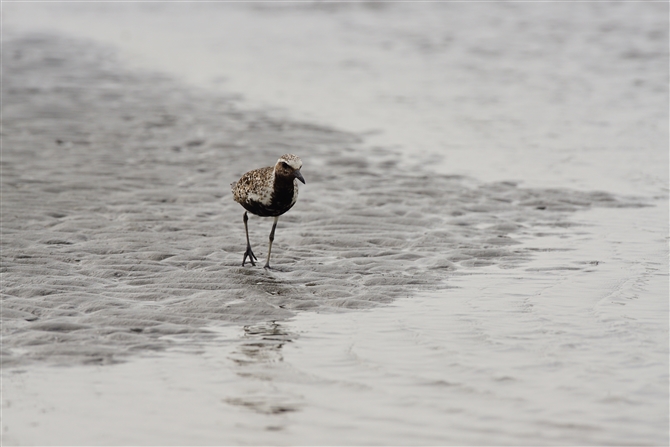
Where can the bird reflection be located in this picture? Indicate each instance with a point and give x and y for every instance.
(259, 360)
(262, 343)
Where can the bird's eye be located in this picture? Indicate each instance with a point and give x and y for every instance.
(284, 165)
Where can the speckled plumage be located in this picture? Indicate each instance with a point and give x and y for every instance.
(268, 192)
(254, 186)
(264, 193)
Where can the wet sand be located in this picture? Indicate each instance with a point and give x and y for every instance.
(496, 312)
(119, 227)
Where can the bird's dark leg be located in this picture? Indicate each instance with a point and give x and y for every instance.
(249, 253)
(272, 238)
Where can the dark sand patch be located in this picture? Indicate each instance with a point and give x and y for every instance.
(119, 229)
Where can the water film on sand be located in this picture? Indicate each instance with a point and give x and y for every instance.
(119, 230)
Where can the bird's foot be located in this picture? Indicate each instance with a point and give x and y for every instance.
(251, 255)
(267, 267)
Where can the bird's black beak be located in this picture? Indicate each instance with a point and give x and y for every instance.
(298, 175)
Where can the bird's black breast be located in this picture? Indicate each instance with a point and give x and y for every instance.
(281, 199)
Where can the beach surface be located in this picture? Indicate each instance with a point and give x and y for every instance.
(479, 254)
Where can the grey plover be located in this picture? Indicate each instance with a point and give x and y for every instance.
(268, 192)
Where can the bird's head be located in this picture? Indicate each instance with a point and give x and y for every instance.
(289, 166)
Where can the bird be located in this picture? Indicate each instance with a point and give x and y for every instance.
(268, 192)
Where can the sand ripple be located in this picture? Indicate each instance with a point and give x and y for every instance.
(119, 231)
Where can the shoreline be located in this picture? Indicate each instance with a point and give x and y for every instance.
(124, 209)
(487, 309)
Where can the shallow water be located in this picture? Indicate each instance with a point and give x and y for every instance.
(573, 357)
(504, 285)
